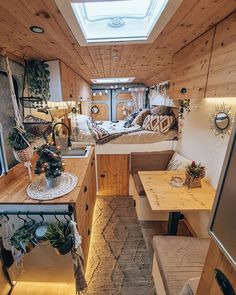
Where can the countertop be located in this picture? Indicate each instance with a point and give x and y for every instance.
(13, 185)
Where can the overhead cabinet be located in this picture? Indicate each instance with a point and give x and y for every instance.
(222, 73)
(65, 84)
(190, 68)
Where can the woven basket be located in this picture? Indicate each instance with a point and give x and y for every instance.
(23, 156)
(193, 182)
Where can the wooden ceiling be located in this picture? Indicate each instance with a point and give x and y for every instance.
(149, 63)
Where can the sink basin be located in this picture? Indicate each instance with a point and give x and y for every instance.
(76, 152)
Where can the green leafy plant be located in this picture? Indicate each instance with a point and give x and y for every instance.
(49, 162)
(196, 170)
(23, 238)
(58, 234)
(38, 78)
(18, 139)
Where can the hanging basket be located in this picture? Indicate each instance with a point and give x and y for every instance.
(23, 156)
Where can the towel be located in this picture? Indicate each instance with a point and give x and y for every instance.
(78, 262)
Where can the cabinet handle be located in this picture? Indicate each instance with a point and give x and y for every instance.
(93, 158)
(86, 207)
(92, 164)
(103, 175)
(183, 90)
(89, 232)
(71, 95)
(85, 189)
(134, 203)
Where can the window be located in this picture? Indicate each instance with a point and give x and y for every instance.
(113, 80)
(3, 161)
(117, 20)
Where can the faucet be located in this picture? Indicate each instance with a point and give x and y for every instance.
(68, 132)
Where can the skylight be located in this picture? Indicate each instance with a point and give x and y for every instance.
(117, 21)
(113, 80)
(122, 20)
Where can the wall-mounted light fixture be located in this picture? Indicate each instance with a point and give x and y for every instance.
(37, 29)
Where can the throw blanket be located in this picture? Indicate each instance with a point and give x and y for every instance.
(110, 130)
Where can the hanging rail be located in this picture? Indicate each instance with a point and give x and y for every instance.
(4, 213)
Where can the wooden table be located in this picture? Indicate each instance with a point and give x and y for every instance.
(163, 197)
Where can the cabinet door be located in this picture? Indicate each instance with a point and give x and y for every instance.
(190, 68)
(222, 74)
(68, 83)
(113, 175)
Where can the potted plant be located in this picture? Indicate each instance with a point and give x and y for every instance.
(23, 239)
(19, 140)
(61, 237)
(38, 78)
(50, 163)
(194, 173)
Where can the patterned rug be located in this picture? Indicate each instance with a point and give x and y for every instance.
(119, 262)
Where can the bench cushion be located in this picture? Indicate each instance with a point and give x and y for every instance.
(150, 161)
(138, 185)
(179, 259)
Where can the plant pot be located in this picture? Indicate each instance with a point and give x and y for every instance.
(65, 248)
(53, 182)
(30, 246)
(23, 156)
(193, 182)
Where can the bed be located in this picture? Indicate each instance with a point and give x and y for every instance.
(128, 139)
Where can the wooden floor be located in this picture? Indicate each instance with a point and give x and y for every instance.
(149, 229)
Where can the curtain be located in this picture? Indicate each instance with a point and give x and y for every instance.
(139, 98)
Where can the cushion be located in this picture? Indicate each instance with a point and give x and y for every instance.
(140, 117)
(160, 110)
(179, 259)
(98, 132)
(160, 124)
(190, 287)
(138, 185)
(150, 161)
(178, 162)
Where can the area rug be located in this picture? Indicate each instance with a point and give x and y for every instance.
(119, 262)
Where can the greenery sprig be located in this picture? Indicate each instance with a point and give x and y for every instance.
(196, 170)
(58, 233)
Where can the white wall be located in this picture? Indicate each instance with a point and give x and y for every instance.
(200, 144)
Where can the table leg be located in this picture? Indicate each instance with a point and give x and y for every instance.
(173, 223)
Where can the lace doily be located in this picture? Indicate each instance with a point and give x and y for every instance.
(38, 189)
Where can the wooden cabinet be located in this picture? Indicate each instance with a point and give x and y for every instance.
(65, 84)
(113, 175)
(222, 73)
(84, 207)
(68, 82)
(190, 68)
(215, 259)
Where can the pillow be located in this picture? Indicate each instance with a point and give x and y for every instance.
(98, 132)
(160, 110)
(132, 115)
(178, 162)
(160, 124)
(140, 117)
(190, 287)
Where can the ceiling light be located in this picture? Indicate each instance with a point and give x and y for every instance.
(106, 91)
(113, 80)
(37, 30)
(100, 93)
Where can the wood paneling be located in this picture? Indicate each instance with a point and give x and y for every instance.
(149, 63)
(119, 111)
(215, 259)
(68, 82)
(190, 68)
(222, 74)
(113, 175)
(83, 89)
(124, 96)
(100, 97)
(103, 112)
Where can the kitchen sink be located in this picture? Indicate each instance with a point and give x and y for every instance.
(76, 152)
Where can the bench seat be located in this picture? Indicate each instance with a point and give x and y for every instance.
(176, 260)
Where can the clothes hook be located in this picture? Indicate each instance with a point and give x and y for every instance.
(66, 217)
(18, 215)
(27, 215)
(41, 215)
(7, 217)
(57, 218)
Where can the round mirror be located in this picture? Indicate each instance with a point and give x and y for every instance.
(222, 120)
(95, 110)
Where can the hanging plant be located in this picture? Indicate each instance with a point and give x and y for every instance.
(38, 78)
